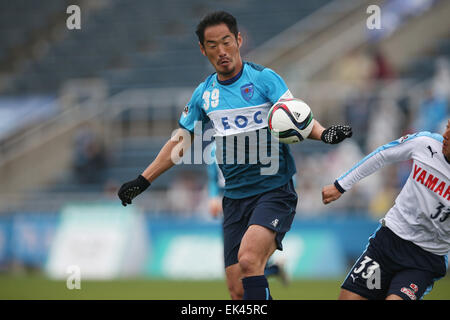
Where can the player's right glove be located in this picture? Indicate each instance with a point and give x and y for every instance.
(336, 134)
(129, 190)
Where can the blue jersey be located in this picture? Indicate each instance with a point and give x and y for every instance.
(236, 107)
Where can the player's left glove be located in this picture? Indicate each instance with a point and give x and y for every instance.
(129, 190)
(336, 134)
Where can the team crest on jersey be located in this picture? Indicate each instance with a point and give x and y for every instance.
(247, 91)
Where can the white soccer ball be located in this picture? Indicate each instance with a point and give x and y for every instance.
(290, 120)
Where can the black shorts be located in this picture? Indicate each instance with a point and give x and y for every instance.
(392, 265)
(274, 209)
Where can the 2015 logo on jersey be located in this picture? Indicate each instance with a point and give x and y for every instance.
(185, 111)
(247, 91)
(402, 139)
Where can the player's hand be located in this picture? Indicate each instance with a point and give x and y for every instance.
(336, 134)
(330, 193)
(129, 190)
(215, 207)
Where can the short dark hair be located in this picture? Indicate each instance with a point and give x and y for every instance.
(213, 19)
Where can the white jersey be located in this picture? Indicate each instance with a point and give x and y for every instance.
(421, 211)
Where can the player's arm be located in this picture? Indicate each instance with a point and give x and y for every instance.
(214, 199)
(398, 150)
(332, 135)
(214, 190)
(169, 154)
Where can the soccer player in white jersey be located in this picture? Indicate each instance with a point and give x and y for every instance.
(258, 208)
(409, 251)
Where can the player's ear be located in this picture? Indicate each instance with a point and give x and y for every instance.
(202, 48)
(239, 40)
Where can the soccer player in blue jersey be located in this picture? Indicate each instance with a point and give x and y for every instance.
(216, 184)
(258, 205)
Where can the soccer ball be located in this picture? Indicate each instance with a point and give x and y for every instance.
(290, 120)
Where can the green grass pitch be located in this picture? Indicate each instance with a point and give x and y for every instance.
(38, 287)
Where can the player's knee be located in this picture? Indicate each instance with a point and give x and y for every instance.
(249, 264)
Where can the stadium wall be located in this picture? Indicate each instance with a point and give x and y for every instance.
(169, 247)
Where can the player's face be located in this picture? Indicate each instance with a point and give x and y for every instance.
(446, 144)
(221, 48)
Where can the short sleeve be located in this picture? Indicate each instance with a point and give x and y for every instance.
(193, 112)
(273, 86)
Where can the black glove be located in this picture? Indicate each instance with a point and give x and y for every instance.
(129, 190)
(336, 134)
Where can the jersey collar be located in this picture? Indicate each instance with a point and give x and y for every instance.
(232, 80)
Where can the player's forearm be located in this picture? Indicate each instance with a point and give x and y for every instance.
(364, 168)
(316, 131)
(170, 153)
(389, 153)
(161, 164)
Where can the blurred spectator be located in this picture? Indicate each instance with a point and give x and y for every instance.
(385, 123)
(434, 110)
(440, 84)
(382, 69)
(354, 69)
(357, 111)
(185, 195)
(431, 112)
(89, 157)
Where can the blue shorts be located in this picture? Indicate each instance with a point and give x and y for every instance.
(392, 265)
(274, 209)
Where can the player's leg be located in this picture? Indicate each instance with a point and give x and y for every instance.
(276, 267)
(411, 284)
(271, 269)
(348, 295)
(233, 276)
(235, 222)
(274, 210)
(257, 246)
(245, 256)
(367, 279)
(271, 218)
(370, 276)
(393, 297)
(418, 269)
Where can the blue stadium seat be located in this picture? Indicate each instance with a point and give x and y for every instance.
(120, 35)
